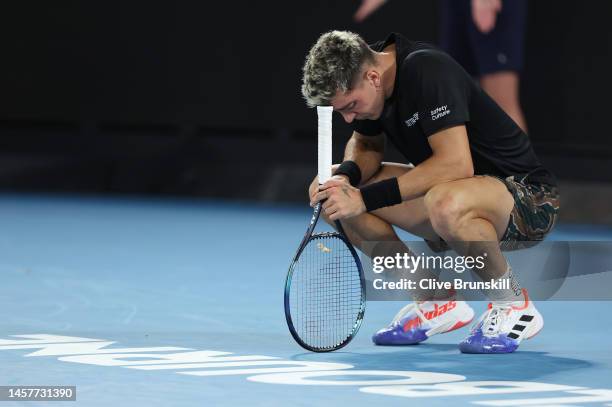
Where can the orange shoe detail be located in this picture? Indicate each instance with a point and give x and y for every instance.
(436, 312)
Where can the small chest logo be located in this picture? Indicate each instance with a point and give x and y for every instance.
(412, 121)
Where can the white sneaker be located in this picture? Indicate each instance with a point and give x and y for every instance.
(418, 321)
(503, 326)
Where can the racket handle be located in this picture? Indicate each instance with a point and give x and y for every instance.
(325, 143)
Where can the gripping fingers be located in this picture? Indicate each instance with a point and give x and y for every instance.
(316, 197)
(335, 216)
(330, 209)
(322, 195)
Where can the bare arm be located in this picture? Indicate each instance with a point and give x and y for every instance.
(366, 8)
(484, 14)
(367, 152)
(451, 160)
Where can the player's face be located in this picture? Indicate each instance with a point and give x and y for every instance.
(364, 102)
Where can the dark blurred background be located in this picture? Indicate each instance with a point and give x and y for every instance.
(203, 98)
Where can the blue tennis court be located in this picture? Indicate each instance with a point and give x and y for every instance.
(151, 302)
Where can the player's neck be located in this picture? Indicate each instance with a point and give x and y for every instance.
(387, 61)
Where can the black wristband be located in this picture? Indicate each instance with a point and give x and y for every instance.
(381, 194)
(351, 170)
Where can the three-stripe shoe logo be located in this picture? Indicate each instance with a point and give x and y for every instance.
(518, 328)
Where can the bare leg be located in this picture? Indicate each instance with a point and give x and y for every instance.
(410, 216)
(503, 87)
(472, 215)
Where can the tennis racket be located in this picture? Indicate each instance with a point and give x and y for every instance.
(324, 289)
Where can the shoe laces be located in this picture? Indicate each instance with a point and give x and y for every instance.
(495, 318)
(413, 306)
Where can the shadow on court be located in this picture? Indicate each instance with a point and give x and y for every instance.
(445, 358)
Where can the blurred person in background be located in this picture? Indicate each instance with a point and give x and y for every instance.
(487, 38)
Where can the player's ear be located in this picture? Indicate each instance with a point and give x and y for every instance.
(373, 76)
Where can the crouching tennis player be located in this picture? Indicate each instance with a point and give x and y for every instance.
(472, 176)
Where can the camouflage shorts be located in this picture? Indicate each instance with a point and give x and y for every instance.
(535, 211)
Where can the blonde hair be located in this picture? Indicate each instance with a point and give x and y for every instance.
(333, 64)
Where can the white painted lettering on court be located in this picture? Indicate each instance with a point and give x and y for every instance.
(300, 366)
(112, 358)
(274, 370)
(95, 348)
(53, 345)
(407, 377)
(467, 389)
(38, 339)
(93, 352)
(589, 396)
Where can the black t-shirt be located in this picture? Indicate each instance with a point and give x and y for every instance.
(432, 92)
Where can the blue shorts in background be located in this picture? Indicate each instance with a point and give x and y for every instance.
(501, 49)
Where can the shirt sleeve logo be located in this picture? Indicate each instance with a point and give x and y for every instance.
(440, 112)
(412, 121)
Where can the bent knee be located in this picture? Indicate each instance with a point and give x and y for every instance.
(445, 206)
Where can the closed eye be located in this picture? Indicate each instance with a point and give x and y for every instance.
(348, 107)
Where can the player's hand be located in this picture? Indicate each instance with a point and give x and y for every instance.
(315, 187)
(342, 200)
(367, 7)
(484, 14)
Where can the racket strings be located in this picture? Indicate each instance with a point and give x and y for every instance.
(326, 297)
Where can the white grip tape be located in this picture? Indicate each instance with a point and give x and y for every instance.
(325, 143)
